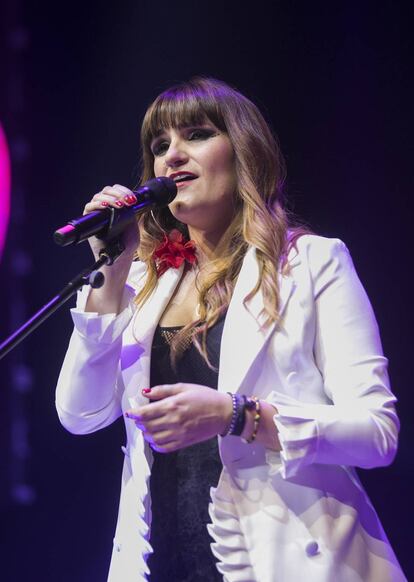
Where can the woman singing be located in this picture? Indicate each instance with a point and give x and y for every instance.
(245, 357)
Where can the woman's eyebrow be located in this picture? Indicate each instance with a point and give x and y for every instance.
(157, 134)
(161, 133)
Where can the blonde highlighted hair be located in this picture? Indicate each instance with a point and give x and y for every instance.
(259, 219)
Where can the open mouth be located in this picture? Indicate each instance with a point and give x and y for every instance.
(183, 177)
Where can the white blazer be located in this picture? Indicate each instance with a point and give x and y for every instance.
(274, 516)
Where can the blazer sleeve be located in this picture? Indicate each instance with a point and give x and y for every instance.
(359, 427)
(89, 388)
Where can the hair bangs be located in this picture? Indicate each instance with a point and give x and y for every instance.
(181, 106)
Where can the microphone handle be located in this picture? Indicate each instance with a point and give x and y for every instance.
(106, 224)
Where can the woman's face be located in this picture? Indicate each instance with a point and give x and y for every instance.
(200, 160)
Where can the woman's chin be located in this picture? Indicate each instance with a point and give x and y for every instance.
(182, 208)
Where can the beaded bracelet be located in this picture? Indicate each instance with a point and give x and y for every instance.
(253, 403)
(233, 415)
(238, 417)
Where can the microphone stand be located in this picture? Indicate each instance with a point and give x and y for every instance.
(89, 276)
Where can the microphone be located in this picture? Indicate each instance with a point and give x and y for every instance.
(110, 222)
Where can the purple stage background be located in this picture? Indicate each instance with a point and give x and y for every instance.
(335, 81)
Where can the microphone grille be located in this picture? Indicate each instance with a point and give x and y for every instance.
(161, 191)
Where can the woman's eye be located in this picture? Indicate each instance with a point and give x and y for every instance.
(196, 134)
(159, 148)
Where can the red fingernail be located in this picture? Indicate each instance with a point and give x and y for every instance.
(119, 203)
(130, 199)
(104, 203)
(146, 390)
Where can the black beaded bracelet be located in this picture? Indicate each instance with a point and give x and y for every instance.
(238, 417)
(233, 415)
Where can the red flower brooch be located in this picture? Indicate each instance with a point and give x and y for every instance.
(173, 251)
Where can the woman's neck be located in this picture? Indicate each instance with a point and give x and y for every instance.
(209, 244)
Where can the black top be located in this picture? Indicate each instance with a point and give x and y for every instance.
(180, 481)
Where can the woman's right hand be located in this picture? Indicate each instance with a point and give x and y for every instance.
(108, 298)
(116, 196)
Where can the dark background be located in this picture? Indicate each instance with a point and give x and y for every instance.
(335, 82)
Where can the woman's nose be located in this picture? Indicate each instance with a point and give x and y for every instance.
(176, 154)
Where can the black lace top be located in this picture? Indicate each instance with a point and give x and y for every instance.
(180, 482)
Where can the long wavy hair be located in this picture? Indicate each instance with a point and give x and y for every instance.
(259, 218)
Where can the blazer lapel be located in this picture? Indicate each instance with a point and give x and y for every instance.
(136, 353)
(243, 337)
(152, 310)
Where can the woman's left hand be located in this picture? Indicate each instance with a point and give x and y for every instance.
(181, 415)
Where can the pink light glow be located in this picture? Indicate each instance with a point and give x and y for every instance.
(5, 179)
